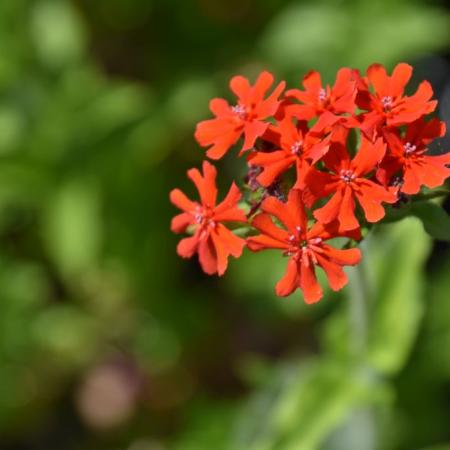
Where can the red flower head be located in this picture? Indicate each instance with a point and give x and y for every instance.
(408, 157)
(343, 184)
(305, 247)
(347, 181)
(387, 104)
(212, 240)
(317, 99)
(246, 117)
(295, 145)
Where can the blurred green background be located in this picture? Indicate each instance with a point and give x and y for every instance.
(107, 339)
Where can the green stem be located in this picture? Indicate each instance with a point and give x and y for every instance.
(359, 292)
(358, 320)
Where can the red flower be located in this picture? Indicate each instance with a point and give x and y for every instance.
(212, 240)
(408, 157)
(317, 99)
(295, 145)
(305, 247)
(387, 104)
(342, 183)
(246, 117)
(347, 181)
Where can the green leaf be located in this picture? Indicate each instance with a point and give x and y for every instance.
(394, 214)
(435, 336)
(304, 404)
(392, 291)
(394, 261)
(434, 218)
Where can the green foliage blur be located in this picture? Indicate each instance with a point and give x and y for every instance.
(107, 339)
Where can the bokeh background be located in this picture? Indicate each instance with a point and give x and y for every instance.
(107, 339)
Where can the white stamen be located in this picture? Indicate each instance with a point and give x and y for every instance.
(296, 147)
(240, 111)
(322, 95)
(347, 175)
(387, 102)
(409, 148)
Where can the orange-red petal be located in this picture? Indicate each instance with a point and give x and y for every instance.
(336, 276)
(290, 281)
(179, 199)
(264, 223)
(206, 183)
(188, 246)
(207, 256)
(346, 215)
(331, 209)
(180, 222)
(368, 156)
(312, 291)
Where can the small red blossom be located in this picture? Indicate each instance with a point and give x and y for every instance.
(305, 247)
(387, 104)
(347, 181)
(409, 160)
(245, 118)
(315, 132)
(316, 98)
(211, 239)
(294, 145)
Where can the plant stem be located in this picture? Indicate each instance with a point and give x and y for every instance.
(358, 320)
(359, 292)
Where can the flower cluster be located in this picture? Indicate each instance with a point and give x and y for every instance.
(323, 162)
